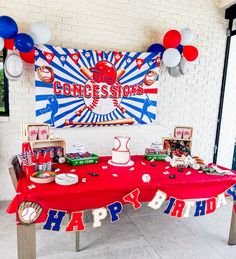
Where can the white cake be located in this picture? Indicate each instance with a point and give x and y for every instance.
(121, 152)
(120, 157)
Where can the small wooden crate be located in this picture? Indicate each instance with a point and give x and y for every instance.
(190, 129)
(168, 143)
(49, 143)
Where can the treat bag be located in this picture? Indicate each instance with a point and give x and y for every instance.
(43, 132)
(32, 133)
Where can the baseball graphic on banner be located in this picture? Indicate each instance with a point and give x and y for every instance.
(29, 212)
(46, 74)
(97, 103)
(95, 88)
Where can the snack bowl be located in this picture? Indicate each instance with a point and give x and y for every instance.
(43, 177)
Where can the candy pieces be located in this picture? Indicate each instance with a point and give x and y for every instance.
(166, 172)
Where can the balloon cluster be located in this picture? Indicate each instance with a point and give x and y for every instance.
(22, 44)
(176, 51)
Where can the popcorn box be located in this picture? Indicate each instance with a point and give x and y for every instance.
(43, 132)
(33, 133)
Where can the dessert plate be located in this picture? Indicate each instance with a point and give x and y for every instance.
(66, 179)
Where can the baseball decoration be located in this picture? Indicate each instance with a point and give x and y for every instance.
(28, 57)
(45, 74)
(176, 51)
(23, 43)
(146, 178)
(8, 27)
(104, 72)
(9, 43)
(40, 32)
(172, 39)
(28, 212)
(190, 53)
(13, 67)
(186, 36)
(99, 66)
(150, 78)
(171, 57)
(86, 88)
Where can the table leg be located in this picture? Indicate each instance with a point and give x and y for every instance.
(26, 241)
(232, 232)
(77, 237)
(77, 240)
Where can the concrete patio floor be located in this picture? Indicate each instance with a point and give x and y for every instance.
(144, 233)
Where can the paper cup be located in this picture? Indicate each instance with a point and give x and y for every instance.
(29, 170)
(78, 148)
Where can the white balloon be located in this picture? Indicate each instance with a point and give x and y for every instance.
(180, 69)
(40, 32)
(13, 67)
(186, 36)
(183, 66)
(171, 57)
(1, 43)
(174, 71)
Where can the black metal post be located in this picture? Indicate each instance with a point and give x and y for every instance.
(6, 89)
(226, 60)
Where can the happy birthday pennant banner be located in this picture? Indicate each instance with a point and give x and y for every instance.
(95, 88)
(176, 207)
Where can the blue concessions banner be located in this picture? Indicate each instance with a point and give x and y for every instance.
(95, 88)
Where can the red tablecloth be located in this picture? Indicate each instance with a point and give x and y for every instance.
(104, 189)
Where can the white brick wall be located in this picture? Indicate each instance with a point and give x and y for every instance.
(125, 25)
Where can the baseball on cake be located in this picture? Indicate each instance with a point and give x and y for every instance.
(121, 152)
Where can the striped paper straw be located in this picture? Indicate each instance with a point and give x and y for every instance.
(29, 158)
(20, 158)
(25, 160)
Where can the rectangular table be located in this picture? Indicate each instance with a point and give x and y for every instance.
(111, 185)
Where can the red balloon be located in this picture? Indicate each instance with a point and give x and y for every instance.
(28, 57)
(190, 53)
(172, 39)
(9, 43)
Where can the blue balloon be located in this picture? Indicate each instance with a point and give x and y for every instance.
(156, 47)
(24, 42)
(8, 27)
(180, 49)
